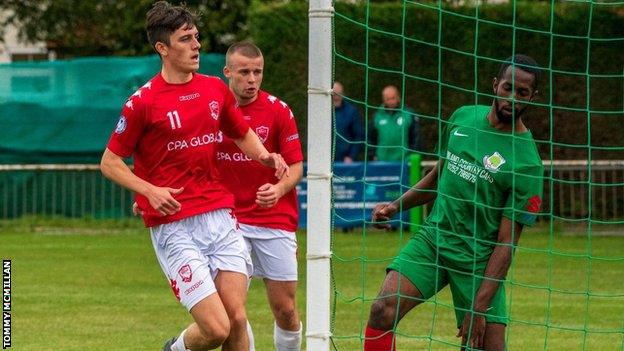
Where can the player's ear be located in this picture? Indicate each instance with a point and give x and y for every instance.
(226, 72)
(495, 85)
(534, 95)
(161, 48)
(535, 91)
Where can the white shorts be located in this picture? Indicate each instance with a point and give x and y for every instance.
(273, 252)
(193, 250)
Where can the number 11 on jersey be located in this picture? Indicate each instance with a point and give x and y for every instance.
(174, 119)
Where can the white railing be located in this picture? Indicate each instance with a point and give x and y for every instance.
(578, 189)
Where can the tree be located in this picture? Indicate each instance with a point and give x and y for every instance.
(116, 27)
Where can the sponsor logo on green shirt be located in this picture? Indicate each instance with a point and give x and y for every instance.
(492, 163)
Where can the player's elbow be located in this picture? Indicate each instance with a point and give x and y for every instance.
(107, 164)
(105, 169)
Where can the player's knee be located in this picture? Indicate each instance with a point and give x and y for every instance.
(218, 337)
(214, 334)
(382, 314)
(287, 315)
(238, 320)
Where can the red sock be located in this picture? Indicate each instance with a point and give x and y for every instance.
(379, 340)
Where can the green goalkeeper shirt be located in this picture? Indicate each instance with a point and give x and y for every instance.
(486, 174)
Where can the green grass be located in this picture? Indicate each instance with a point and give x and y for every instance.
(96, 285)
(549, 306)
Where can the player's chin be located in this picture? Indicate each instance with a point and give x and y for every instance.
(519, 111)
(193, 63)
(504, 115)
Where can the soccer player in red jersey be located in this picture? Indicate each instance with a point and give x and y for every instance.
(172, 126)
(266, 207)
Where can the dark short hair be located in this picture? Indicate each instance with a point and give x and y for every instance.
(245, 48)
(163, 19)
(523, 62)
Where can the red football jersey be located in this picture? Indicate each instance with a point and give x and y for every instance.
(275, 125)
(172, 131)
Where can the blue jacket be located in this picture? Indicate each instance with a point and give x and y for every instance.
(349, 131)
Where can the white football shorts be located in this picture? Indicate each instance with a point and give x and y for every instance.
(273, 252)
(193, 250)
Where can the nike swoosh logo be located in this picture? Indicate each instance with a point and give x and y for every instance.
(456, 133)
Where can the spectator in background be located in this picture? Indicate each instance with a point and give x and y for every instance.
(394, 129)
(349, 128)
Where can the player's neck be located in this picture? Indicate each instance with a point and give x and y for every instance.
(518, 126)
(244, 102)
(173, 76)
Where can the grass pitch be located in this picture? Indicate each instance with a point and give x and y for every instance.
(96, 285)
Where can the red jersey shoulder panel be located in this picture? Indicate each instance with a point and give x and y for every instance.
(132, 121)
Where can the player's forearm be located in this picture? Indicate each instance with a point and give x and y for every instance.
(114, 168)
(496, 269)
(495, 273)
(415, 196)
(289, 183)
(421, 193)
(250, 144)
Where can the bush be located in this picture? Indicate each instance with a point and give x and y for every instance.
(440, 70)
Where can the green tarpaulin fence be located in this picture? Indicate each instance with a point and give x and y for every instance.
(64, 111)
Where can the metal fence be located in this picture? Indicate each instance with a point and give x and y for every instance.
(578, 190)
(573, 190)
(60, 190)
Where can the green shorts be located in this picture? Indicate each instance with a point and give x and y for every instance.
(429, 273)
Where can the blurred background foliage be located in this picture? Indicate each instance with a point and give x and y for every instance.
(440, 54)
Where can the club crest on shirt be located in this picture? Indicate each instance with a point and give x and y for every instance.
(263, 133)
(214, 109)
(121, 125)
(186, 273)
(492, 163)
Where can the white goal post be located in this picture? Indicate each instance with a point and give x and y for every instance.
(318, 256)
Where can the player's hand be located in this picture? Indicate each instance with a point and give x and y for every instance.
(136, 210)
(383, 213)
(268, 194)
(476, 330)
(161, 199)
(276, 161)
